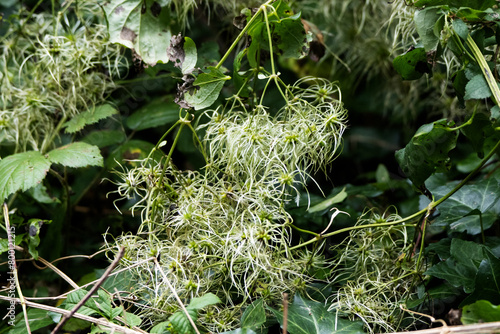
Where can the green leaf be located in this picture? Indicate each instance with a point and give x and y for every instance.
(105, 138)
(254, 315)
(329, 202)
(310, 317)
(74, 298)
(93, 115)
(288, 35)
(413, 64)
(4, 243)
(479, 312)
(427, 152)
(207, 299)
(461, 28)
(478, 131)
(158, 112)
(455, 211)
(37, 319)
(77, 154)
(475, 4)
(495, 113)
(477, 88)
(461, 268)
(208, 86)
(181, 323)
(34, 227)
(182, 52)
(129, 153)
(487, 281)
(40, 194)
(22, 171)
(191, 57)
(425, 20)
(141, 25)
(161, 328)
(132, 319)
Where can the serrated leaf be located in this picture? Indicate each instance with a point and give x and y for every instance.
(208, 86)
(454, 212)
(141, 25)
(207, 299)
(461, 28)
(158, 112)
(93, 115)
(329, 202)
(427, 152)
(310, 317)
(105, 138)
(76, 154)
(480, 312)
(477, 88)
(37, 319)
(40, 194)
(160, 328)
(181, 323)
(425, 20)
(22, 171)
(412, 65)
(254, 315)
(132, 319)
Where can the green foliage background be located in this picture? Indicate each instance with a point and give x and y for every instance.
(343, 152)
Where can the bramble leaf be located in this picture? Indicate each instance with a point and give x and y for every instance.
(412, 65)
(181, 323)
(477, 88)
(310, 317)
(22, 171)
(427, 152)
(105, 138)
(76, 154)
(141, 25)
(92, 115)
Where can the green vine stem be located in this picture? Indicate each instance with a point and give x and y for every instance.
(430, 207)
(485, 68)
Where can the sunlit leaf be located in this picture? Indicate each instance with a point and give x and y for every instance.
(480, 312)
(22, 171)
(76, 154)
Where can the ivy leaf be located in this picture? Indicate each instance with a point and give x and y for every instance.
(310, 317)
(480, 312)
(93, 115)
(76, 154)
(457, 212)
(413, 64)
(22, 171)
(427, 152)
(158, 112)
(208, 86)
(461, 268)
(486, 281)
(141, 25)
(425, 21)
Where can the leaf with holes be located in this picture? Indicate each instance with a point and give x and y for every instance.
(22, 171)
(141, 25)
(77, 154)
